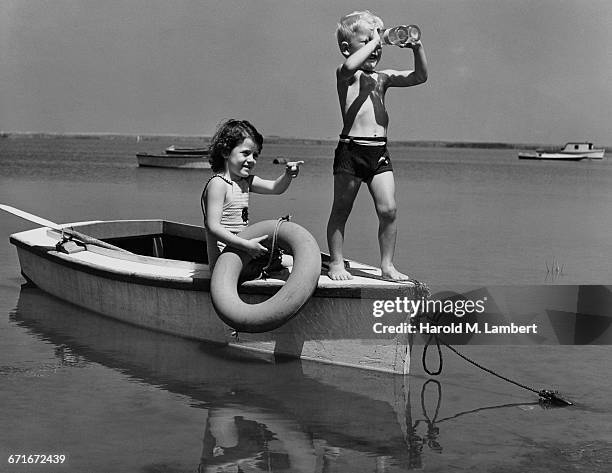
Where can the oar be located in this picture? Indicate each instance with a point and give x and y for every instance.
(68, 231)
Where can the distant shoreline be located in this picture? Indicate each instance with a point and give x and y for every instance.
(277, 140)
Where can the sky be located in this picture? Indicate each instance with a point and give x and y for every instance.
(522, 71)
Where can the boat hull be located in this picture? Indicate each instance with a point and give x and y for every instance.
(560, 156)
(180, 161)
(335, 325)
(186, 151)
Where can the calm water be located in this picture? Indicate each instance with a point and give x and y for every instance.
(116, 398)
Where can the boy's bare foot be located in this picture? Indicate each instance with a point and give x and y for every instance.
(391, 273)
(338, 272)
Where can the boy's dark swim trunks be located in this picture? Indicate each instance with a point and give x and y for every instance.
(361, 161)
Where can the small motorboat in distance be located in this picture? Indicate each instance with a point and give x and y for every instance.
(573, 151)
(191, 151)
(180, 161)
(175, 157)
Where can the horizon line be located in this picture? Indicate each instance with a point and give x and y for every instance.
(272, 138)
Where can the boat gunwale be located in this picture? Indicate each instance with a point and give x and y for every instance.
(196, 282)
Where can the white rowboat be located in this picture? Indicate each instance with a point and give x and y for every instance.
(162, 283)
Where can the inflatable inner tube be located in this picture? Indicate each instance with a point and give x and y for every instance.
(282, 306)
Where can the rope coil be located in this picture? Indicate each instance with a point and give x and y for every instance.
(546, 395)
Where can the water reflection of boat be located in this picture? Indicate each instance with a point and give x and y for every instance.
(570, 152)
(165, 286)
(293, 416)
(363, 412)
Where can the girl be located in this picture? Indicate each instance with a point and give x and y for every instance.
(225, 199)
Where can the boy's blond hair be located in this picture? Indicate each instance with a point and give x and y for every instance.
(350, 24)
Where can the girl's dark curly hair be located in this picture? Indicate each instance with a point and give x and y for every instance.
(230, 134)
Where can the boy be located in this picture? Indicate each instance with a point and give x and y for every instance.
(361, 155)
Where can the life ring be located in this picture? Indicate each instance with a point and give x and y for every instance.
(282, 306)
